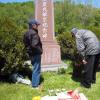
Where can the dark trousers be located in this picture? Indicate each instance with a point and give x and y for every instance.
(89, 70)
(36, 63)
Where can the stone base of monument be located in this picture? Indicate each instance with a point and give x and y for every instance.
(53, 67)
(51, 53)
(51, 57)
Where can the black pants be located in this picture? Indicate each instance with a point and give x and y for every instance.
(89, 70)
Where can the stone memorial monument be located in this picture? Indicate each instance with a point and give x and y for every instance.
(44, 13)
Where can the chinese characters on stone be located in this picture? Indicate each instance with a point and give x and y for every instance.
(44, 19)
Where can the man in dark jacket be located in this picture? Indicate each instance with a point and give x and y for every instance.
(33, 47)
(89, 47)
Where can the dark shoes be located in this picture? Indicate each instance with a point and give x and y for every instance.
(93, 82)
(85, 85)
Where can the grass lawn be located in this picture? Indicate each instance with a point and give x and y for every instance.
(52, 80)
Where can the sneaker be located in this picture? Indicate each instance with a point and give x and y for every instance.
(36, 88)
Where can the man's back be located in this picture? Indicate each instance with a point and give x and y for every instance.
(32, 42)
(90, 41)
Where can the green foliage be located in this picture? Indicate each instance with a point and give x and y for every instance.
(11, 47)
(67, 45)
(69, 15)
(96, 30)
(13, 23)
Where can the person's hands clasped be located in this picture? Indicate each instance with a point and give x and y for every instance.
(84, 61)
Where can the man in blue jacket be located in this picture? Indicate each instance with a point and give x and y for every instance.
(33, 47)
(88, 46)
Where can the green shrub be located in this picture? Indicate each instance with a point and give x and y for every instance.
(11, 46)
(13, 23)
(67, 45)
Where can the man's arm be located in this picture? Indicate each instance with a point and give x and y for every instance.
(34, 42)
(80, 46)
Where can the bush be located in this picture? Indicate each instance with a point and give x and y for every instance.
(67, 45)
(13, 23)
(11, 46)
